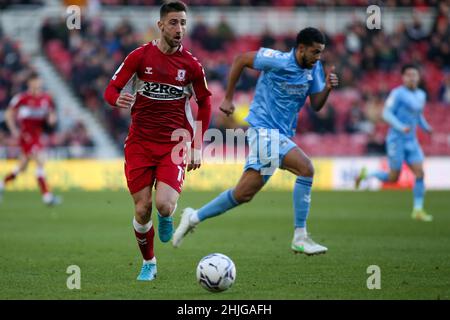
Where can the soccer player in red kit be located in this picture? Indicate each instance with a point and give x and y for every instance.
(164, 76)
(32, 110)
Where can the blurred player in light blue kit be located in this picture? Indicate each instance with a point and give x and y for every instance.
(286, 81)
(403, 111)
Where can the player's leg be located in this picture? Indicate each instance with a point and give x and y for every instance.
(395, 153)
(47, 196)
(414, 159)
(21, 167)
(166, 203)
(24, 159)
(299, 164)
(144, 232)
(249, 184)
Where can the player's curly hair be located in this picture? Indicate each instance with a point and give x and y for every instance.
(172, 6)
(309, 35)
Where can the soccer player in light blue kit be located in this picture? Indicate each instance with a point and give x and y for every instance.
(286, 80)
(403, 111)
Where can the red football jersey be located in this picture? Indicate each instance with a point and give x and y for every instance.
(32, 111)
(163, 84)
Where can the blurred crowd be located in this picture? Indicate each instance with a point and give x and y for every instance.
(15, 68)
(367, 61)
(8, 3)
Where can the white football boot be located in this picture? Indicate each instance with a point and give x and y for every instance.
(304, 244)
(186, 225)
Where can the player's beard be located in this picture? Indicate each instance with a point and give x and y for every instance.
(306, 63)
(172, 42)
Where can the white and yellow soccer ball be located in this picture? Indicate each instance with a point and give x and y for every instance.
(216, 272)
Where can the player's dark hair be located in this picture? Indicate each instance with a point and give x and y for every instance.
(33, 75)
(309, 35)
(409, 66)
(172, 6)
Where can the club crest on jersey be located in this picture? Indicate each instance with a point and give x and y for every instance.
(181, 75)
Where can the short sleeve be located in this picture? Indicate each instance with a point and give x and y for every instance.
(267, 59)
(318, 81)
(199, 82)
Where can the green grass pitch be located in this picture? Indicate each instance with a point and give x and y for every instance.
(93, 231)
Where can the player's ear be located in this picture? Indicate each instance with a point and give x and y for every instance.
(301, 48)
(160, 25)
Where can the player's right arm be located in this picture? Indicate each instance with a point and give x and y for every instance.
(389, 116)
(10, 115)
(123, 74)
(240, 62)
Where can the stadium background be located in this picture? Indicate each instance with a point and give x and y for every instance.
(346, 134)
(85, 150)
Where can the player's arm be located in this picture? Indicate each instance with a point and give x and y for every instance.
(52, 117)
(10, 116)
(203, 97)
(318, 99)
(239, 63)
(389, 116)
(423, 123)
(123, 74)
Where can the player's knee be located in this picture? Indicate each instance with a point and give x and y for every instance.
(307, 169)
(245, 196)
(420, 174)
(393, 177)
(166, 208)
(23, 167)
(143, 209)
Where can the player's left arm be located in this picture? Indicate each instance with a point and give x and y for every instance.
(203, 98)
(423, 123)
(321, 87)
(52, 117)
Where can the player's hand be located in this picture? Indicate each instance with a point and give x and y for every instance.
(125, 100)
(406, 129)
(194, 159)
(52, 119)
(227, 107)
(15, 134)
(332, 80)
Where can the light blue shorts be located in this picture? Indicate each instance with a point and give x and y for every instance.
(399, 150)
(268, 147)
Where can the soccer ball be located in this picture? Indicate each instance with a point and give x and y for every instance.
(216, 272)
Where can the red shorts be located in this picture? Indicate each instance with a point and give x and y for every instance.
(30, 143)
(147, 161)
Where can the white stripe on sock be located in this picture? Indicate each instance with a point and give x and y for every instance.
(142, 228)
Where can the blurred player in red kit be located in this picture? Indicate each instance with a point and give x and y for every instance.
(32, 110)
(164, 76)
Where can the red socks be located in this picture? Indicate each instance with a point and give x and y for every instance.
(144, 236)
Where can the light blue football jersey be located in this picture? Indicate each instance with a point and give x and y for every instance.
(282, 89)
(404, 108)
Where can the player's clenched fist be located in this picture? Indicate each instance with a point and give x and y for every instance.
(332, 80)
(125, 100)
(227, 107)
(194, 159)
